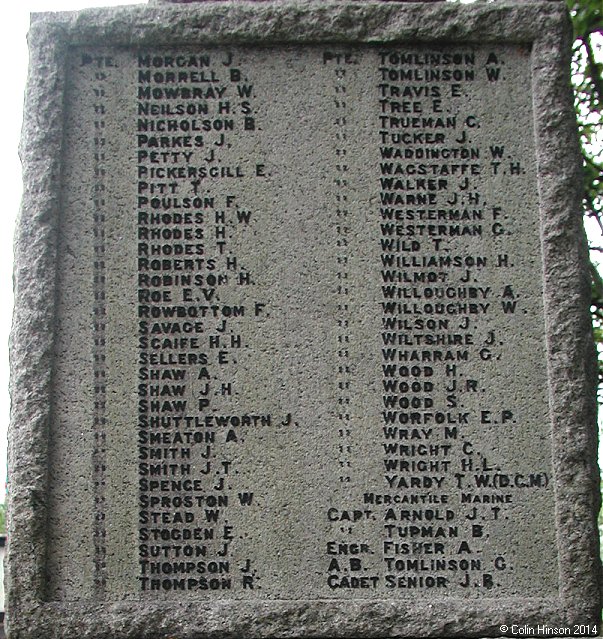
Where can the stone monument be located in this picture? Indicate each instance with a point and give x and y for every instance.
(301, 343)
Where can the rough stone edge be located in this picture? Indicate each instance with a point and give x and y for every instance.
(32, 340)
(572, 363)
(163, 2)
(310, 21)
(159, 2)
(237, 619)
(32, 343)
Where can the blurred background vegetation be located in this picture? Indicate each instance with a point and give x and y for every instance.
(587, 78)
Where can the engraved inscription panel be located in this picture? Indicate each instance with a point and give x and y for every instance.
(306, 282)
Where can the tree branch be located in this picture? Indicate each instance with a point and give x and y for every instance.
(592, 68)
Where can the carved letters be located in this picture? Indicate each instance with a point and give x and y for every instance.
(332, 314)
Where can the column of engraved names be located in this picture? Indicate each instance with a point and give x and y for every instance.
(436, 301)
(191, 301)
(496, 488)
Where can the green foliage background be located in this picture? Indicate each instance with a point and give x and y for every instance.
(587, 77)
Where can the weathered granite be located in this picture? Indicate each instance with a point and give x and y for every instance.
(51, 588)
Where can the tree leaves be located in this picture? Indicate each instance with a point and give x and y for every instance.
(587, 78)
